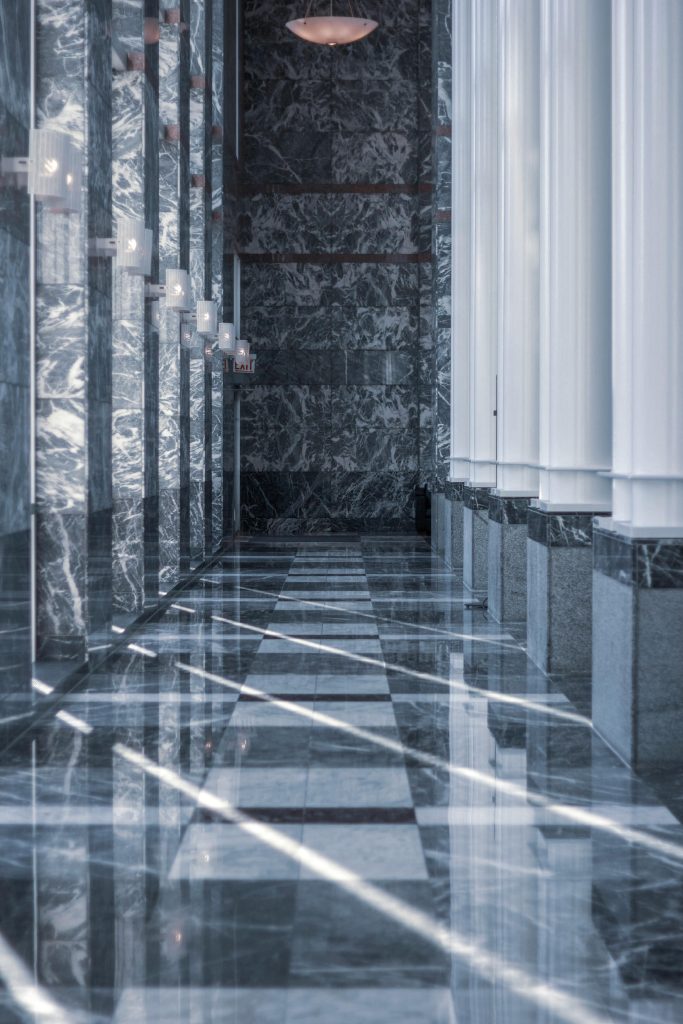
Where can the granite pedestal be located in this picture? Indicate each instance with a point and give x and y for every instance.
(559, 588)
(638, 646)
(475, 539)
(507, 558)
(454, 496)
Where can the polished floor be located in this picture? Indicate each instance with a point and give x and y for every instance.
(319, 787)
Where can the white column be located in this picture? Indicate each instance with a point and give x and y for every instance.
(519, 242)
(575, 385)
(484, 281)
(648, 266)
(461, 214)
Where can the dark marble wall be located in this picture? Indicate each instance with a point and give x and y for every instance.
(128, 460)
(73, 349)
(15, 382)
(441, 238)
(334, 241)
(131, 179)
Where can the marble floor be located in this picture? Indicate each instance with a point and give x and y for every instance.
(320, 786)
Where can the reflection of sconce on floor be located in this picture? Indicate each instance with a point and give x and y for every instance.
(51, 172)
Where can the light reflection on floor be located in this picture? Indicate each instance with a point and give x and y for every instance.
(319, 788)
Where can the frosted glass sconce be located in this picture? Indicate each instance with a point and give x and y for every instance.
(130, 245)
(178, 290)
(242, 350)
(207, 317)
(132, 248)
(52, 170)
(226, 338)
(186, 335)
(48, 155)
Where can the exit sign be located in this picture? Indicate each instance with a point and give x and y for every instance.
(247, 365)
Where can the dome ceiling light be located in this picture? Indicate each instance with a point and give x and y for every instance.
(331, 29)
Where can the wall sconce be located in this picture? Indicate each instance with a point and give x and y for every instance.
(207, 317)
(132, 248)
(130, 244)
(178, 290)
(48, 155)
(226, 338)
(242, 350)
(51, 171)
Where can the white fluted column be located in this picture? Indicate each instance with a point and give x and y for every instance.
(484, 280)
(519, 310)
(648, 267)
(575, 385)
(461, 213)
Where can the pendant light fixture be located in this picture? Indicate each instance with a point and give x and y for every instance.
(331, 29)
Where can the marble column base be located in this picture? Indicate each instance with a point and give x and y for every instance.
(638, 646)
(507, 558)
(454, 497)
(559, 587)
(475, 559)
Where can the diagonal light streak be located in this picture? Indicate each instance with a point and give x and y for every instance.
(446, 634)
(27, 994)
(365, 659)
(576, 815)
(489, 966)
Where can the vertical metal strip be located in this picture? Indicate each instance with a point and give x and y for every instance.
(33, 560)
